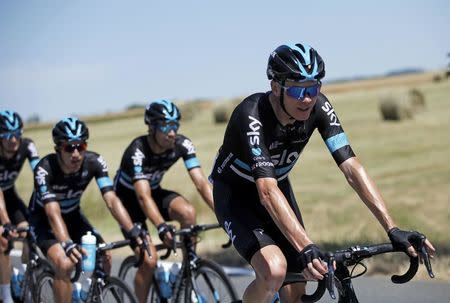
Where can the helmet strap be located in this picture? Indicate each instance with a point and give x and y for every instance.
(282, 100)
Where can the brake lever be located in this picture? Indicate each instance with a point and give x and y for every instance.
(330, 275)
(426, 259)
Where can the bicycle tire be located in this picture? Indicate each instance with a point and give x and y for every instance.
(119, 291)
(28, 284)
(44, 289)
(211, 284)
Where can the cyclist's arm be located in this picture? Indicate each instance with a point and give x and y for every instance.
(146, 202)
(364, 186)
(59, 227)
(116, 208)
(202, 185)
(4, 218)
(282, 214)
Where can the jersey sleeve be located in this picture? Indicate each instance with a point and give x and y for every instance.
(43, 180)
(250, 139)
(32, 154)
(332, 133)
(187, 149)
(101, 174)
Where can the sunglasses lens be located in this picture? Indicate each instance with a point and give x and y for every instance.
(14, 134)
(168, 127)
(70, 148)
(299, 92)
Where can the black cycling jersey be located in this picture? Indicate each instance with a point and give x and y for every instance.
(10, 168)
(139, 162)
(52, 184)
(256, 145)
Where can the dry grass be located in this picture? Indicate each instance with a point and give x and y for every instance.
(408, 161)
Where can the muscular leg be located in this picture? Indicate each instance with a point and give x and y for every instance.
(5, 271)
(62, 287)
(144, 275)
(182, 211)
(270, 265)
(292, 293)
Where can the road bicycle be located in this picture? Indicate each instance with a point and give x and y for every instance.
(198, 280)
(36, 264)
(341, 278)
(103, 288)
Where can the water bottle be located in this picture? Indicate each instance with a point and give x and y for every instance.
(76, 292)
(162, 277)
(174, 269)
(85, 286)
(17, 278)
(88, 242)
(15, 284)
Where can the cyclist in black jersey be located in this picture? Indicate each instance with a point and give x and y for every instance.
(143, 165)
(14, 150)
(55, 215)
(253, 198)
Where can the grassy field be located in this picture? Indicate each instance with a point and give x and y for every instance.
(409, 161)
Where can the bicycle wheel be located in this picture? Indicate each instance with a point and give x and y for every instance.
(211, 284)
(116, 291)
(44, 288)
(127, 271)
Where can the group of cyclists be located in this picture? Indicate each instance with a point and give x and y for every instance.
(249, 188)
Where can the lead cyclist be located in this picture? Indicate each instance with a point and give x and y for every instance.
(253, 198)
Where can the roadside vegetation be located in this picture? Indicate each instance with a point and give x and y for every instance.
(408, 159)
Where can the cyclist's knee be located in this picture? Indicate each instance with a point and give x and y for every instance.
(148, 263)
(270, 271)
(63, 268)
(188, 214)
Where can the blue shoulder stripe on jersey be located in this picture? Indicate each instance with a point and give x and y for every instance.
(191, 163)
(336, 142)
(242, 164)
(104, 182)
(283, 170)
(33, 163)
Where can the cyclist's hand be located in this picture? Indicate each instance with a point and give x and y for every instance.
(311, 261)
(165, 233)
(73, 251)
(137, 234)
(408, 241)
(9, 231)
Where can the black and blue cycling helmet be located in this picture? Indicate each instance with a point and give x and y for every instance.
(10, 121)
(297, 62)
(161, 111)
(70, 129)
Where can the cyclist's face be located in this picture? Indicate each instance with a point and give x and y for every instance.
(72, 155)
(10, 144)
(300, 109)
(165, 134)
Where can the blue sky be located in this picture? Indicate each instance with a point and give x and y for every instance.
(83, 57)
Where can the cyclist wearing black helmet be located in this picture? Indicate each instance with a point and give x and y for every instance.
(14, 150)
(56, 218)
(253, 198)
(143, 165)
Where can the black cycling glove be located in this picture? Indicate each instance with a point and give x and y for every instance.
(308, 254)
(137, 232)
(68, 247)
(402, 239)
(8, 227)
(164, 228)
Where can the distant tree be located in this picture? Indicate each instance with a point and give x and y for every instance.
(33, 119)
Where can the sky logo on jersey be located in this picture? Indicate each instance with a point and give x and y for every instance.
(32, 148)
(253, 135)
(138, 157)
(103, 163)
(189, 146)
(40, 176)
(229, 231)
(7, 176)
(330, 112)
(256, 151)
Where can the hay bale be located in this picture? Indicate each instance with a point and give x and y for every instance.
(396, 108)
(221, 114)
(417, 100)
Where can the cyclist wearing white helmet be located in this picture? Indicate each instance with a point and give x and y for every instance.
(253, 198)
